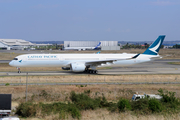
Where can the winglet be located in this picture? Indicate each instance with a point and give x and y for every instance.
(154, 48)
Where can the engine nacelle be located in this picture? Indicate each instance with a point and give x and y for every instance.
(77, 67)
(66, 68)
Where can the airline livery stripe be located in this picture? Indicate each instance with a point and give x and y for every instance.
(81, 58)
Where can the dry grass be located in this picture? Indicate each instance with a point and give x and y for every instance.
(103, 114)
(174, 63)
(8, 56)
(62, 92)
(91, 78)
(111, 92)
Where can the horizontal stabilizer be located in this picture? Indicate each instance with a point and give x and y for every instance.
(135, 56)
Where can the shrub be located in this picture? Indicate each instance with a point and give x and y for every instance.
(62, 114)
(104, 102)
(141, 106)
(7, 84)
(123, 104)
(29, 109)
(169, 98)
(84, 102)
(26, 109)
(112, 106)
(75, 113)
(46, 108)
(155, 105)
(44, 94)
(87, 92)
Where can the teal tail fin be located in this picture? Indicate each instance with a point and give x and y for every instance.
(154, 48)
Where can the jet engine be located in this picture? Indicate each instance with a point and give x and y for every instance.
(77, 67)
(66, 68)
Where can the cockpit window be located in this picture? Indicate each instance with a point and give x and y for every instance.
(15, 59)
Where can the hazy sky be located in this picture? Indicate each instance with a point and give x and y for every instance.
(59, 20)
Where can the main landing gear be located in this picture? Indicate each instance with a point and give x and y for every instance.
(19, 71)
(91, 71)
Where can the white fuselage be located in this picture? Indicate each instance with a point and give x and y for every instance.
(60, 60)
(79, 48)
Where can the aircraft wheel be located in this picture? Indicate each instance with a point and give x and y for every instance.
(96, 72)
(19, 71)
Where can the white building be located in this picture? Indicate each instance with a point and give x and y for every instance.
(105, 45)
(17, 44)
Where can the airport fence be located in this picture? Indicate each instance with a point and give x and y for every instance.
(90, 79)
(15, 85)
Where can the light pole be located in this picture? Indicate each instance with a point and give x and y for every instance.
(26, 84)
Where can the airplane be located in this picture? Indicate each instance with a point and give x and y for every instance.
(83, 48)
(87, 62)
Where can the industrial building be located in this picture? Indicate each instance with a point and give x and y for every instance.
(104, 45)
(16, 44)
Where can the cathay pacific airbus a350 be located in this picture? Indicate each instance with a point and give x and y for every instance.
(87, 62)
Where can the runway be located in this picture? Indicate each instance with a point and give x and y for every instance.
(154, 67)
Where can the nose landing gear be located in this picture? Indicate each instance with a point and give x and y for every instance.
(19, 71)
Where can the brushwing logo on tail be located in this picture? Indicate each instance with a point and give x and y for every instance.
(155, 48)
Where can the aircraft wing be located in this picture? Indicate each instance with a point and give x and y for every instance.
(99, 62)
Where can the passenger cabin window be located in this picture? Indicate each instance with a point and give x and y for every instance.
(15, 59)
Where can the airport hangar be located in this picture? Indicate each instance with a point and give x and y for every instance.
(105, 45)
(17, 44)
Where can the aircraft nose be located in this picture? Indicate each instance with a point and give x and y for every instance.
(11, 63)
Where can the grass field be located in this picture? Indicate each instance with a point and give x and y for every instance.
(111, 92)
(120, 79)
(61, 92)
(103, 114)
(174, 63)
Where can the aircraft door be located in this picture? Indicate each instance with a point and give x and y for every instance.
(102, 58)
(61, 58)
